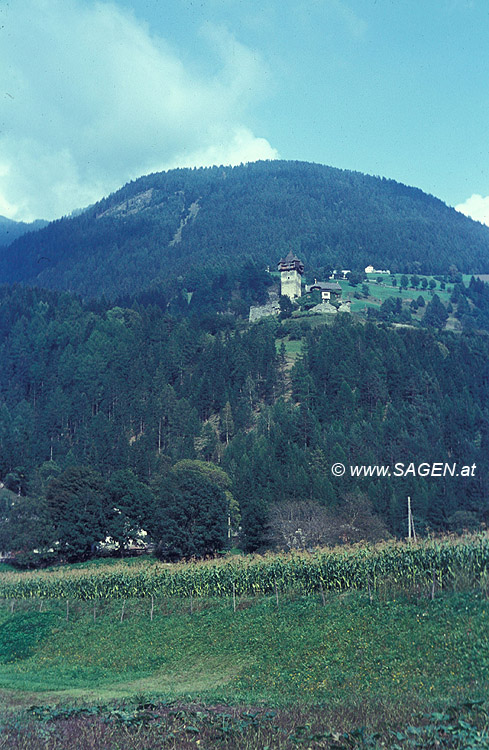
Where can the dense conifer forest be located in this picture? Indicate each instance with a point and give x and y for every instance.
(134, 394)
(186, 231)
(10, 230)
(201, 431)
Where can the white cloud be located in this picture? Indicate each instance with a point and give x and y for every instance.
(90, 99)
(242, 146)
(476, 207)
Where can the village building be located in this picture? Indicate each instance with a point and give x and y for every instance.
(371, 269)
(329, 291)
(340, 274)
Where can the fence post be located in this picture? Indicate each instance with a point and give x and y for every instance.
(322, 593)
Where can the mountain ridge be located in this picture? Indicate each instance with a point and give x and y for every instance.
(256, 212)
(10, 229)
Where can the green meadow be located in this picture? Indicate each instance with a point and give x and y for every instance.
(379, 292)
(349, 649)
(341, 663)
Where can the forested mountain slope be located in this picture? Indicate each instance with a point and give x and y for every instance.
(175, 228)
(10, 230)
(112, 389)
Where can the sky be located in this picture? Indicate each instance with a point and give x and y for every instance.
(95, 93)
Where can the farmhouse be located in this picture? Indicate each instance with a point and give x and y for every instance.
(327, 290)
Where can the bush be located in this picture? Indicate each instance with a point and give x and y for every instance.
(463, 520)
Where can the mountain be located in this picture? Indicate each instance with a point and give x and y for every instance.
(10, 230)
(182, 229)
(106, 391)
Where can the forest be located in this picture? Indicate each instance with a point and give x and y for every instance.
(200, 429)
(10, 230)
(182, 233)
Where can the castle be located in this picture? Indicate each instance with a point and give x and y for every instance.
(291, 269)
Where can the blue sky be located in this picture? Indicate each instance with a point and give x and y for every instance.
(96, 93)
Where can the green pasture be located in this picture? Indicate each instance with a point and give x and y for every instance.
(380, 292)
(351, 648)
(292, 347)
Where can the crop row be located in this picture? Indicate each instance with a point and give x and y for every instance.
(421, 564)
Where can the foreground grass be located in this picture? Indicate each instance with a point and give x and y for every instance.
(351, 649)
(299, 673)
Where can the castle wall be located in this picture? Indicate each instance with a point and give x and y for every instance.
(263, 311)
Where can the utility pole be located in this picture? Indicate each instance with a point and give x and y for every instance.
(411, 529)
(409, 518)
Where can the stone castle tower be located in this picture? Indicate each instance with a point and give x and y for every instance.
(291, 270)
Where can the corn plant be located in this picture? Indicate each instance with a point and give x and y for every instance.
(340, 569)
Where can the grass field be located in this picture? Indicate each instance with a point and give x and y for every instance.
(378, 293)
(381, 664)
(350, 649)
(292, 347)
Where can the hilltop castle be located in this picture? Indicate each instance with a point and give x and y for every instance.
(291, 269)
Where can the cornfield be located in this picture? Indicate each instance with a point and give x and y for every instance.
(355, 568)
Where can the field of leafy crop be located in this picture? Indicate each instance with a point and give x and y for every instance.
(428, 563)
(148, 725)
